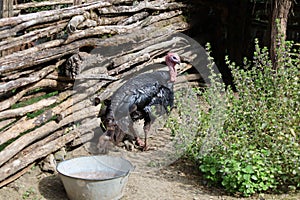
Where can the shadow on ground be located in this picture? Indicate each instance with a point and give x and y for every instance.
(51, 188)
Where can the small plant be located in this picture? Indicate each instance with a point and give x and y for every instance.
(28, 193)
(248, 140)
(33, 100)
(43, 8)
(182, 121)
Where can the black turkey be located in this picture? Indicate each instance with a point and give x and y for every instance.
(135, 100)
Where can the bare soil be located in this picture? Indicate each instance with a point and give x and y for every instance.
(156, 176)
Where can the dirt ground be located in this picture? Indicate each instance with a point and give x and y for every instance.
(158, 174)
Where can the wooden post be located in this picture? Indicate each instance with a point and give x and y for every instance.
(280, 12)
(6, 8)
(77, 2)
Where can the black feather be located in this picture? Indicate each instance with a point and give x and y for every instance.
(134, 100)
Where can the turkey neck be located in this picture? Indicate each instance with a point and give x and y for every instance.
(172, 71)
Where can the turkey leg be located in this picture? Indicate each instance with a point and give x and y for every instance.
(138, 140)
(147, 125)
(146, 130)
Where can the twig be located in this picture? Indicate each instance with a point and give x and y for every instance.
(15, 176)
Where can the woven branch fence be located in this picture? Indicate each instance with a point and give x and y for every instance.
(45, 53)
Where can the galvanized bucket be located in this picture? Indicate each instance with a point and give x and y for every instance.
(95, 177)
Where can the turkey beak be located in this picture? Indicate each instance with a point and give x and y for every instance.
(177, 63)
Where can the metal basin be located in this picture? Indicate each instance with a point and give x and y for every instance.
(95, 177)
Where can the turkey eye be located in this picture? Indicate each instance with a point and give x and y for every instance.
(174, 58)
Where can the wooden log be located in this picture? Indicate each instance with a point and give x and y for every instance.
(41, 4)
(155, 5)
(41, 132)
(82, 139)
(100, 30)
(96, 66)
(74, 108)
(6, 123)
(44, 25)
(39, 150)
(13, 75)
(18, 112)
(59, 78)
(96, 77)
(34, 95)
(36, 76)
(41, 84)
(163, 16)
(110, 20)
(32, 36)
(134, 18)
(21, 54)
(88, 124)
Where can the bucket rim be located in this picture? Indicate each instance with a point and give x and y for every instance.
(124, 173)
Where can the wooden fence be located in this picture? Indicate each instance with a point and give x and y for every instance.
(46, 48)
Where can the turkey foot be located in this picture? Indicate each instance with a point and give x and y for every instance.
(142, 144)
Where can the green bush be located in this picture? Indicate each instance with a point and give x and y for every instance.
(248, 141)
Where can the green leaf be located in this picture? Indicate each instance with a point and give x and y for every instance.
(248, 169)
(254, 177)
(246, 177)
